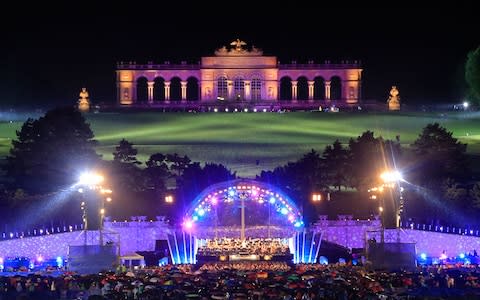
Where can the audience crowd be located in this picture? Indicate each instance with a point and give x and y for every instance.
(250, 280)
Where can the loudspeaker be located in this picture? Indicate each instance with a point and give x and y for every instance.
(392, 256)
(161, 247)
(91, 259)
(389, 214)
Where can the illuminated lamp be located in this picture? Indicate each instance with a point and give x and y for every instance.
(267, 257)
(188, 224)
(201, 212)
(323, 260)
(59, 261)
(231, 193)
(461, 255)
(390, 177)
(423, 256)
(272, 200)
(214, 201)
(223, 258)
(284, 211)
(88, 178)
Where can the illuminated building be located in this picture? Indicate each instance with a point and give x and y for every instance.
(239, 77)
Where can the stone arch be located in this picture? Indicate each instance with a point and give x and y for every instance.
(285, 88)
(175, 89)
(319, 88)
(336, 88)
(159, 89)
(257, 196)
(302, 88)
(192, 89)
(142, 89)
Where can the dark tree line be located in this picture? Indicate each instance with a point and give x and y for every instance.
(50, 152)
(439, 185)
(472, 74)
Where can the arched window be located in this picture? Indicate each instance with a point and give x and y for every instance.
(142, 93)
(239, 88)
(192, 89)
(302, 88)
(285, 88)
(222, 90)
(336, 88)
(175, 89)
(319, 88)
(159, 89)
(256, 88)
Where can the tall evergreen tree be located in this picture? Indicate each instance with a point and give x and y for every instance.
(125, 153)
(157, 173)
(126, 179)
(472, 73)
(368, 158)
(334, 162)
(49, 152)
(438, 156)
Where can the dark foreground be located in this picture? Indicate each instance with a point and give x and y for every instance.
(265, 280)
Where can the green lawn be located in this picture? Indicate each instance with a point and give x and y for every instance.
(238, 140)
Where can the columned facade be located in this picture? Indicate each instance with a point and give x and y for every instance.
(184, 90)
(239, 76)
(327, 90)
(294, 90)
(310, 90)
(167, 90)
(150, 91)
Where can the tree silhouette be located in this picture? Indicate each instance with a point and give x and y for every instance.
(472, 73)
(125, 153)
(335, 159)
(157, 173)
(127, 179)
(49, 152)
(438, 156)
(368, 158)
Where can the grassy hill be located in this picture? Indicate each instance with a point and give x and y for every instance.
(250, 142)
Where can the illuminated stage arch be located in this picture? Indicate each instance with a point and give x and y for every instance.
(254, 194)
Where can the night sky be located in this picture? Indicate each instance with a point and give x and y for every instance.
(51, 52)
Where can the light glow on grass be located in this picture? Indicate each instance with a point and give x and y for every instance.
(239, 140)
